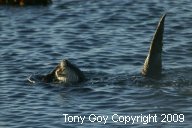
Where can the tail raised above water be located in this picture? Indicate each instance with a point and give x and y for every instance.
(153, 63)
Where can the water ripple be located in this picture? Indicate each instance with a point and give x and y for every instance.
(108, 40)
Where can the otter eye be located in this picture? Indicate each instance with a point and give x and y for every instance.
(65, 62)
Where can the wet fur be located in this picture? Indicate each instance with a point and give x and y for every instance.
(65, 72)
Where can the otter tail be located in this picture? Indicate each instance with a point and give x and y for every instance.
(153, 63)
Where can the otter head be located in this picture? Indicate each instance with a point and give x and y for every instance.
(65, 72)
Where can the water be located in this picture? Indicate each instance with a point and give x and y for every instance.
(108, 40)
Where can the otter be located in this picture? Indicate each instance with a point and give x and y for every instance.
(153, 63)
(64, 72)
(25, 2)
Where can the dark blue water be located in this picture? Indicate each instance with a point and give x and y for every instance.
(108, 40)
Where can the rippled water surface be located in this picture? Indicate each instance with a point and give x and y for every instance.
(108, 40)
